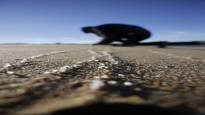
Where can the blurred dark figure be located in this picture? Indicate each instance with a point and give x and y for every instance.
(127, 34)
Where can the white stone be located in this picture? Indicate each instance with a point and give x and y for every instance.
(100, 67)
(102, 64)
(10, 72)
(104, 76)
(96, 84)
(157, 76)
(65, 68)
(75, 65)
(7, 65)
(121, 75)
(46, 72)
(105, 67)
(127, 83)
(54, 71)
(93, 58)
(115, 62)
(23, 60)
(112, 82)
(97, 77)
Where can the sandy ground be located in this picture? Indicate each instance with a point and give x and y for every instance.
(46, 79)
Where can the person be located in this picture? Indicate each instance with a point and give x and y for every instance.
(127, 34)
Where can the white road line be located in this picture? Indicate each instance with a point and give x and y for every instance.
(110, 57)
(92, 52)
(95, 55)
(7, 65)
(104, 53)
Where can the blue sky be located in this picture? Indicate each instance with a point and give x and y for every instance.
(51, 21)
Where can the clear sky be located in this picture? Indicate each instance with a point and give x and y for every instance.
(51, 21)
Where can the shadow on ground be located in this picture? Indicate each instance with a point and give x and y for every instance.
(164, 44)
(101, 108)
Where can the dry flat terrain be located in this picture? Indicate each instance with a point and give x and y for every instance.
(69, 79)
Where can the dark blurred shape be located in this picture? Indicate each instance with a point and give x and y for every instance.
(116, 108)
(163, 44)
(127, 34)
(58, 43)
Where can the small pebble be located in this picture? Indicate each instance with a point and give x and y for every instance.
(100, 67)
(7, 65)
(157, 76)
(112, 82)
(121, 75)
(102, 64)
(54, 71)
(10, 72)
(96, 84)
(75, 65)
(97, 77)
(92, 58)
(104, 76)
(23, 61)
(127, 83)
(116, 62)
(47, 72)
(65, 68)
(105, 67)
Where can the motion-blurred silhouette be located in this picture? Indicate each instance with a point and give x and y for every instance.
(127, 34)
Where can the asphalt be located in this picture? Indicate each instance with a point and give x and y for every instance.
(48, 79)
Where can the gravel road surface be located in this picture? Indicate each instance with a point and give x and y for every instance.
(69, 79)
